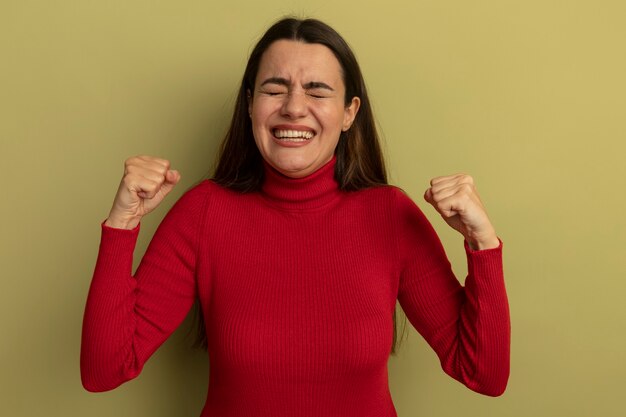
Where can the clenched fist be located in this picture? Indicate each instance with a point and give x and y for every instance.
(146, 182)
(456, 199)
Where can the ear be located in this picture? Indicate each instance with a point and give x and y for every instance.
(350, 113)
(249, 98)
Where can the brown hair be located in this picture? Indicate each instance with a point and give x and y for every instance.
(360, 162)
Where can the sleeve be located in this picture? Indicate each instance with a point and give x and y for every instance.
(468, 326)
(128, 317)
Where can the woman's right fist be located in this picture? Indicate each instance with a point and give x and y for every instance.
(146, 182)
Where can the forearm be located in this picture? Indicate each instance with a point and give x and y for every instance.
(107, 354)
(127, 317)
(467, 326)
(484, 326)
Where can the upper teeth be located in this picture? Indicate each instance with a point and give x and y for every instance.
(293, 134)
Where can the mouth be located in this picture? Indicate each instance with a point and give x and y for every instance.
(289, 135)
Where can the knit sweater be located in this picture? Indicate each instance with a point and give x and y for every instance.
(298, 283)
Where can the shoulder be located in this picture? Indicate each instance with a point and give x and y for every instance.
(393, 197)
(389, 204)
(207, 196)
(196, 194)
(407, 213)
(191, 204)
(206, 189)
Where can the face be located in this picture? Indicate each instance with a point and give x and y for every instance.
(298, 106)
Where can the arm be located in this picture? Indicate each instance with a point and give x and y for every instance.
(128, 317)
(468, 327)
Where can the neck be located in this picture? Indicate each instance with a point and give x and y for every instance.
(311, 191)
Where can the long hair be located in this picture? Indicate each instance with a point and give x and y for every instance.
(360, 162)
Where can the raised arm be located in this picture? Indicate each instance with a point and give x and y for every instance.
(128, 317)
(467, 326)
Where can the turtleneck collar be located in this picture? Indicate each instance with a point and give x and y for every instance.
(312, 191)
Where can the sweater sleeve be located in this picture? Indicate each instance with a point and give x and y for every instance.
(128, 317)
(467, 326)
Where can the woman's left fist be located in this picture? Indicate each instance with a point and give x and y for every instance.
(456, 199)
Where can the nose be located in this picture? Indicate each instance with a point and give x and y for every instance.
(294, 105)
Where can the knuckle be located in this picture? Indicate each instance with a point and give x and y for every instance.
(467, 179)
(133, 170)
(160, 165)
(131, 162)
(134, 159)
(128, 178)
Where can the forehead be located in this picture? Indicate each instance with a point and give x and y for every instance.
(300, 62)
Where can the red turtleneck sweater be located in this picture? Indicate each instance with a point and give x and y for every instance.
(298, 285)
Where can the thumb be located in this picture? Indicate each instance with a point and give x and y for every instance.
(172, 176)
(171, 179)
(428, 195)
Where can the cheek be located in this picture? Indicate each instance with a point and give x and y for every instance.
(259, 119)
(331, 118)
(262, 113)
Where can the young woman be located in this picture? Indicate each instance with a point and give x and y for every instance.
(297, 250)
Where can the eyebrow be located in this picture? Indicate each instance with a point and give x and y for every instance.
(307, 86)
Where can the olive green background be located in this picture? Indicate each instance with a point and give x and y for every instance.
(526, 96)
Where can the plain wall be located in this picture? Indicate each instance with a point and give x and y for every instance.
(528, 97)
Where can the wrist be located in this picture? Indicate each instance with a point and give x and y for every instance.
(121, 223)
(490, 241)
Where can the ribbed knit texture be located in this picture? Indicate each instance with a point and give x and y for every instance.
(298, 284)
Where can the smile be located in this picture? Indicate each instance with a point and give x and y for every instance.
(293, 135)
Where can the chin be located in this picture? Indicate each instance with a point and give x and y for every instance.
(295, 171)
(294, 167)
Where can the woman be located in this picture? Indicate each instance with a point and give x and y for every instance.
(297, 251)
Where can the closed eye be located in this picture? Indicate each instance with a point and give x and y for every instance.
(273, 93)
(318, 94)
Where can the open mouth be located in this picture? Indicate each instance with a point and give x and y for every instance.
(293, 135)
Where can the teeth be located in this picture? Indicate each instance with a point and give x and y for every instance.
(291, 134)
